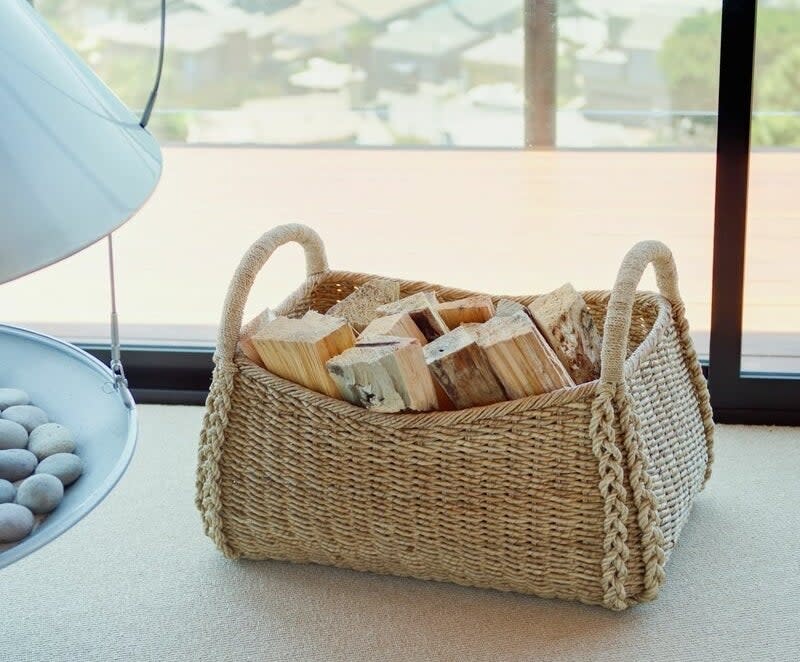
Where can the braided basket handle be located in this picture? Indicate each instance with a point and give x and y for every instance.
(620, 307)
(244, 277)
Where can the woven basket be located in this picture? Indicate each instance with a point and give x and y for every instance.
(578, 494)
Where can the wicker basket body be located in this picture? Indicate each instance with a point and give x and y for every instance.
(577, 494)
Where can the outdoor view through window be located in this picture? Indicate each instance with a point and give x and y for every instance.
(397, 128)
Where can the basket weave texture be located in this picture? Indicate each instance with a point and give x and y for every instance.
(578, 494)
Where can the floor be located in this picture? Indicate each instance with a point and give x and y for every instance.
(137, 580)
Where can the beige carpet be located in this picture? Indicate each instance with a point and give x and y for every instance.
(137, 580)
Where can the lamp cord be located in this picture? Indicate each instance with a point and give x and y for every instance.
(148, 109)
(116, 354)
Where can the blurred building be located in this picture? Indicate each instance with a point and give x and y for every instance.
(624, 81)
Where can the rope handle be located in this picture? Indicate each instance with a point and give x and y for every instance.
(251, 264)
(620, 307)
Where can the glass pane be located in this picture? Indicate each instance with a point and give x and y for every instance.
(628, 75)
(771, 341)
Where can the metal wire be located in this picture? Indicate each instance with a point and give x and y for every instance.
(116, 354)
(148, 109)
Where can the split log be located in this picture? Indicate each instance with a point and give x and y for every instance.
(399, 324)
(422, 309)
(249, 330)
(413, 302)
(385, 374)
(567, 324)
(520, 357)
(359, 308)
(509, 307)
(298, 349)
(478, 308)
(463, 370)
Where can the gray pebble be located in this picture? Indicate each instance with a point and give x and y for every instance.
(12, 435)
(27, 416)
(13, 396)
(16, 522)
(7, 492)
(40, 493)
(64, 466)
(16, 464)
(49, 439)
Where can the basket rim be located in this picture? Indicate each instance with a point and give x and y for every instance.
(342, 408)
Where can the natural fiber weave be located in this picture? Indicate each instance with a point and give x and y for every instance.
(578, 494)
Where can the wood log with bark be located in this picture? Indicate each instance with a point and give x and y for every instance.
(385, 374)
(463, 370)
(565, 321)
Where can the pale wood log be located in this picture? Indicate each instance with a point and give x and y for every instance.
(520, 357)
(385, 374)
(463, 370)
(478, 308)
(567, 324)
(509, 307)
(399, 324)
(412, 302)
(249, 330)
(298, 349)
(422, 309)
(359, 308)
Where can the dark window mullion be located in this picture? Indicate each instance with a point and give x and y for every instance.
(730, 212)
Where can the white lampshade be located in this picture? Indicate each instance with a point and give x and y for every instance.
(74, 162)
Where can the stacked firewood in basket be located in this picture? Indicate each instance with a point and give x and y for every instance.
(392, 354)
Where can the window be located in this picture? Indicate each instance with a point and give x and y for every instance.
(398, 129)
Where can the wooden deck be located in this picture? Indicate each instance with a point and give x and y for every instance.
(500, 221)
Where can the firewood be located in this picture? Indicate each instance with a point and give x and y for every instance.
(478, 308)
(567, 324)
(385, 374)
(359, 308)
(463, 370)
(399, 324)
(421, 308)
(509, 307)
(298, 349)
(413, 302)
(520, 357)
(249, 330)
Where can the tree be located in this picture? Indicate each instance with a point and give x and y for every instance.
(779, 90)
(689, 58)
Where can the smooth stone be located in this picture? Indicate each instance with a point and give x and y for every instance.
(10, 397)
(16, 464)
(7, 492)
(12, 435)
(64, 466)
(27, 416)
(16, 522)
(49, 439)
(40, 493)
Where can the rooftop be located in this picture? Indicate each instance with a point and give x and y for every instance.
(383, 11)
(437, 31)
(506, 49)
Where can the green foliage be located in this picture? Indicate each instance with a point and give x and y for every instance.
(779, 89)
(690, 61)
(169, 127)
